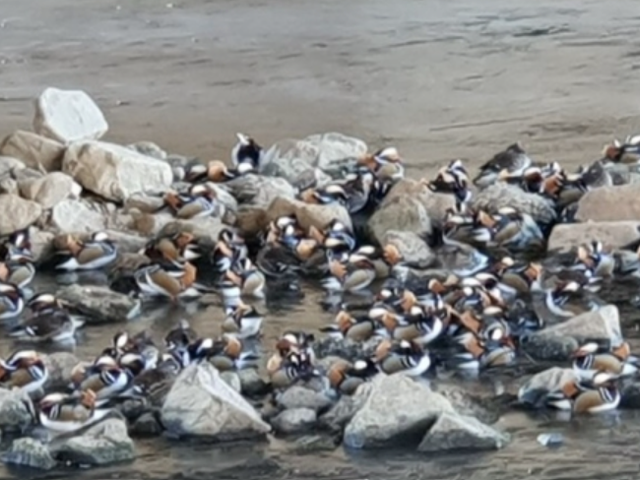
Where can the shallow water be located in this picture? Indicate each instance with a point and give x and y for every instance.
(593, 446)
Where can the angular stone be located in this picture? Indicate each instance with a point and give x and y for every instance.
(33, 150)
(100, 304)
(259, 190)
(295, 420)
(15, 411)
(17, 213)
(309, 215)
(452, 431)
(77, 216)
(402, 214)
(610, 204)
(612, 234)
(50, 190)
(500, 195)
(68, 116)
(115, 172)
(29, 452)
(300, 397)
(414, 250)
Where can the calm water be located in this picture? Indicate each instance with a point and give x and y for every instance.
(594, 446)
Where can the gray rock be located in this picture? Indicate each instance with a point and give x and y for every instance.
(115, 172)
(18, 213)
(500, 195)
(232, 379)
(309, 444)
(224, 196)
(259, 190)
(295, 420)
(102, 444)
(9, 166)
(33, 150)
(402, 214)
(610, 204)
(613, 234)
(100, 304)
(452, 431)
(200, 403)
(149, 149)
(435, 204)
(41, 244)
(15, 411)
(9, 185)
(345, 348)
(414, 250)
(50, 190)
(60, 366)
(78, 216)
(252, 383)
(345, 409)
(557, 342)
(535, 389)
(29, 452)
(300, 397)
(68, 115)
(205, 230)
(27, 173)
(397, 409)
(465, 403)
(307, 214)
(143, 203)
(127, 242)
(146, 425)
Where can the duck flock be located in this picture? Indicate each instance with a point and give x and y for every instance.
(486, 288)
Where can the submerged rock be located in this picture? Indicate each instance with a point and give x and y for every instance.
(100, 304)
(294, 420)
(452, 431)
(34, 151)
(557, 342)
(613, 234)
(29, 452)
(397, 410)
(115, 172)
(68, 115)
(18, 213)
(104, 443)
(200, 403)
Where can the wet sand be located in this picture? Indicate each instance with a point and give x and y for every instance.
(438, 79)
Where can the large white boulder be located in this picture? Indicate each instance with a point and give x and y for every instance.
(115, 172)
(68, 115)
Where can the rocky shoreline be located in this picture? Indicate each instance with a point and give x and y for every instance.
(61, 183)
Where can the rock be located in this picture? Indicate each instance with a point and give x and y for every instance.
(308, 214)
(77, 216)
(252, 383)
(9, 185)
(50, 190)
(557, 342)
(414, 250)
(294, 420)
(345, 409)
(41, 244)
(259, 190)
(314, 444)
(224, 196)
(143, 203)
(501, 195)
(610, 204)
(203, 229)
(403, 214)
(534, 390)
(68, 115)
(435, 204)
(345, 348)
(60, 366)
(397, 410)
(18, 213)
(299, 397)
(100, 304)
(251, 221)
(29, 452)
(15, 414)
(149, 149)
(34, 151)
(200, 403)
(9, 166)
(452, 431)
(146, 424)
(104, 443)
(614, 234)
(127, 242)
(331, 152)
(465, 403)
(553, 439)
(232, 379)
(115, 172)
